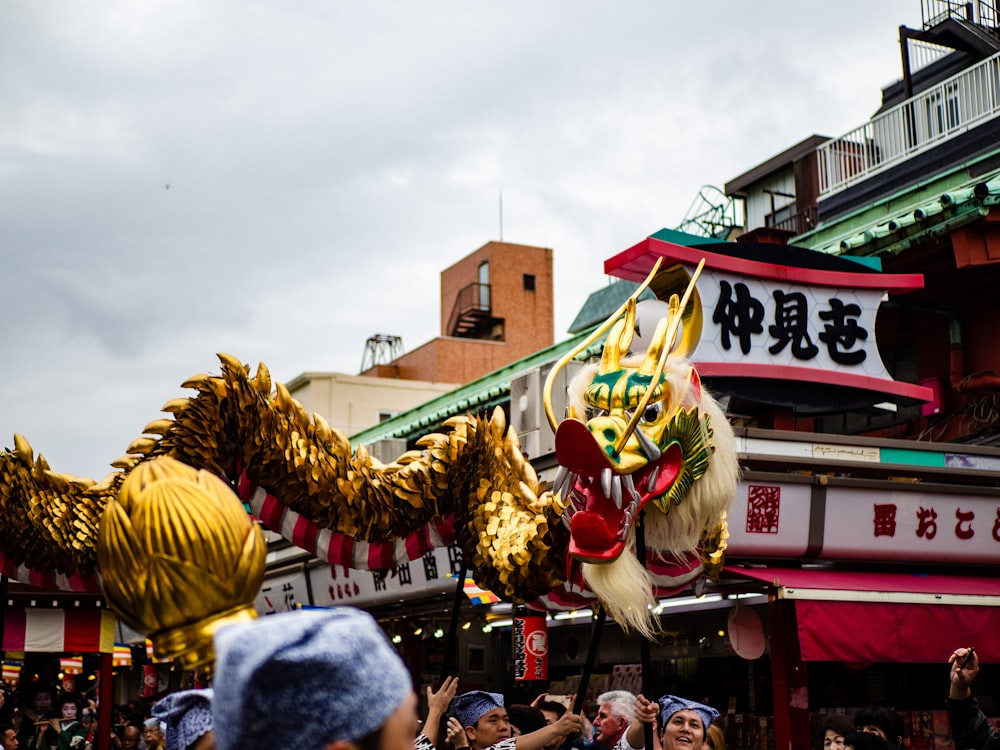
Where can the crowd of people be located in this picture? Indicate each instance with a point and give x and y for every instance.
(49, 719)
(330, 680)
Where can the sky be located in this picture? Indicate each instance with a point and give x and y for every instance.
(280, 181)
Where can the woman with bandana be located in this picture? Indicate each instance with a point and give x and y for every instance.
(678, 724)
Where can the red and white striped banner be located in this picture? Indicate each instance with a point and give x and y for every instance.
(59, 630)
(339, 549)
(24, 574)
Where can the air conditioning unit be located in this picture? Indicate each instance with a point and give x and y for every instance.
(527, 410)
(387, 451)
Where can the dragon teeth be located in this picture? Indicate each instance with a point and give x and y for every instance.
(652, 452)
(606, 482)
(616, 490)
(562, 480)
(629, 484)
(651, 479)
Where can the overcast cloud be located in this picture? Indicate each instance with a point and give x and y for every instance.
(282, 180)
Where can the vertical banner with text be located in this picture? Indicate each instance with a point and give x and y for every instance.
(531, 648)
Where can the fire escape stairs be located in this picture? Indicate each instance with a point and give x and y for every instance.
(471, 312)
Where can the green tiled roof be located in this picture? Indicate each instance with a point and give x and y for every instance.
(603, 302)
(908, 218)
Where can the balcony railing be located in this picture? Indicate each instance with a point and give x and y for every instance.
(981, 12)
(472, 307)
(798, 223)
(923, 54)
(950, 108)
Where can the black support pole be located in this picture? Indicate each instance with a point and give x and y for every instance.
(644, 657)
(588, 667)
(595, 641)
(451, 647)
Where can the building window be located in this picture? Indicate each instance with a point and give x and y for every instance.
(484, 285)
(529, 282)
(386, 415)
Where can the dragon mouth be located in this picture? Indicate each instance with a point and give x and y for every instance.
(602, 504)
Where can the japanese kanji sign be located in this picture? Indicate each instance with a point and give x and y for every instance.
(796, 519)
(769, 321)
(338, 585)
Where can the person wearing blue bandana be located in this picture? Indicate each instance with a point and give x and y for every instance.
(187, 715)
(311, 680)
(484, 717)
(680, 724)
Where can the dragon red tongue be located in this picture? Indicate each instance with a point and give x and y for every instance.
(592, 540)
(590, 531)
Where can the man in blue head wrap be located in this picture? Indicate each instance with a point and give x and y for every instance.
(487, 725)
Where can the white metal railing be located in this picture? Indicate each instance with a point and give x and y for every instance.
(923, 54)
(950, 108)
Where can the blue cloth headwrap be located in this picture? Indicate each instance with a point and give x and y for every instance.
(470, 707)
(301, 680)
(671, 704)
(187, 714)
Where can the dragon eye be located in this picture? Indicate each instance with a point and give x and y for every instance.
(593, 412)
(652, 412)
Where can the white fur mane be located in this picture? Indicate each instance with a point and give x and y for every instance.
(624, 586)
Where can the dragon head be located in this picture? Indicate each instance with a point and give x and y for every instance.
(632, 440)
(642, 435)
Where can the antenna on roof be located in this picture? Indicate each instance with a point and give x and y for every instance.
(501, 215)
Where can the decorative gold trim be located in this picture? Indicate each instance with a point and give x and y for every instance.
(191, 645)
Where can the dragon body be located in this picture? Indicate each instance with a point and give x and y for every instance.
(641, 438)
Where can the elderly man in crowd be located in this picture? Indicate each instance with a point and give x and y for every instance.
(152, 734)
(615, 710)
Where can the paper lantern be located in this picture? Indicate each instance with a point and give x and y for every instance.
(71, 665)
(11, 673)
(122, 656)
(531, 648)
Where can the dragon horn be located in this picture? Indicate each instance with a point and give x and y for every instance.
(656, 344)
(619, 340)
(667, 345)
(547, 390)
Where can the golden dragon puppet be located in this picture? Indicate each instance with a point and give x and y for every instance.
(641, 437)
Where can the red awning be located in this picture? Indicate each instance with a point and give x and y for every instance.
(887, 617)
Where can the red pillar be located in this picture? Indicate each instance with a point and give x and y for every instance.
(105, 702)
(789, 680)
